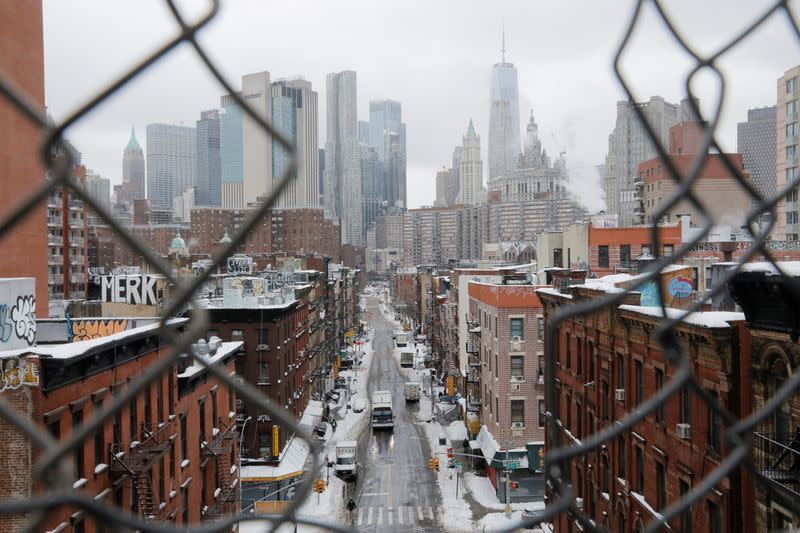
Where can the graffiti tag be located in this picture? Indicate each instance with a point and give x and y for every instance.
(83, 330)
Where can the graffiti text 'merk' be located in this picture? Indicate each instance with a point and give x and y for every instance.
(129, 289)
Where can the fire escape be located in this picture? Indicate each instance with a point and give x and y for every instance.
(138, 465)
(474, 366)
(221, 448)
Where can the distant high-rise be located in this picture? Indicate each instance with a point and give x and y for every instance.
(321, 174)
(343, 197)
(504, 130)
(470, 172)
(231, 153)
(787, 129)
(171, 163)
(133, 166)
(387, 134)
(294, 114)
(755, 140)
(363, 132)
(371, 184)
(256, 142)
(629, 144)
(445, 189)
(209, 172)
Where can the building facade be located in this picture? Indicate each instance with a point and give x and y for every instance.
(445, 189)
(231, 153)
(171, 163)
(786, 165)
(504, 128)
(256, 142)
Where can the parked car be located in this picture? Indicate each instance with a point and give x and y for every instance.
(359, 405)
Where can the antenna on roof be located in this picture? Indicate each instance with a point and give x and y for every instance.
(504, 43)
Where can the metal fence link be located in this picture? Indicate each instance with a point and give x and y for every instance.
(51, 470)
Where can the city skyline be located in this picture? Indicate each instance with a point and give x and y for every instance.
(569, 88)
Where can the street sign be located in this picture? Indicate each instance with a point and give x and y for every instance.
(513, 465)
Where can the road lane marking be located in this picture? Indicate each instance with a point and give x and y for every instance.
(360, 512)
(380, 515)
(419, 512)
(430, 512)
(389, 486)
(375, 494)
(369, 516)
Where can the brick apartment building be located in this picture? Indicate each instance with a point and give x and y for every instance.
(606, 364)
(613, 250)
(168, 456)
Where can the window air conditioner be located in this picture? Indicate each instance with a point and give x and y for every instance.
(516, 388)
(684, 431)
(619, 395)
(517, 425)
(262, 348)
(518, 378)
(263, 418)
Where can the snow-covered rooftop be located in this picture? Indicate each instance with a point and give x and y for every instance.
(790, 268)
(554, 292)
(224, 349)
(710, 319)
(292, 464)
(73, 349)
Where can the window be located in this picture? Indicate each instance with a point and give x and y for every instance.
(686, 405)
(621, 457)
(202, 416)
(714, 442)
(791, 85)
(791, 217)
(590, 354)
(645, 249)
(620, 372)
(569, 352)
(557, 261)
(496, 365)
(264, 373)
(54, 428)
(541, 413)
(496, 410)
(602, 256)
(518, 412)
(639, 470)
(714, 518)
(659, 384)
(606, 474)
(517, 365)
(263, 336)
(517, 328)
(669, 250)
(77, 420)
(184, 439)
(214, 418)
(661, 483)
(171, 392)
(624, 255)
(541, 369)
(579, 344)
(99, 439)
(237, 335)
(791, 129)
(606, 396)
(639, 382)
(540, 328)
(686, 516)
(791, 196)
(185, 498)
(132, 422)
(148, 409)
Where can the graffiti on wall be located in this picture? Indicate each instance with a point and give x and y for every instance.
(83, 330)
(16, 371)
(18, 323)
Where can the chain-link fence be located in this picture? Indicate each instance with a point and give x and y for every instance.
(50, 469)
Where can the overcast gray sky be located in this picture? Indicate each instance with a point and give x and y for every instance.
(434, 57)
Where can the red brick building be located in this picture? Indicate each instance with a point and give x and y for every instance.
(164, 456)
(22, 61)
(606, 364)
(613, 250)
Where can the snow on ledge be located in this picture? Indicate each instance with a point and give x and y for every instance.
(708, 319)
(184, 463)
(100, 468)
(790, 268)
(80, 483)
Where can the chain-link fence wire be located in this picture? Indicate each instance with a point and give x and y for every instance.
(51, 469)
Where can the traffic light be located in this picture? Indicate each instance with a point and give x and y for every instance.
(432, 463)
(319, 485)
(450, 453)
(514, 485)
(436, 464)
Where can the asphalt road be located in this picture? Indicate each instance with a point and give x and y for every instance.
(395, 490)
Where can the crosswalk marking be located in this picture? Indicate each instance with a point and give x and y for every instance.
(430, 512)
(374, 516)
(360, 514)
(410, 515)
(400, 515)
(380, 515)
(419, 511)
(369, 516)
(389, 515)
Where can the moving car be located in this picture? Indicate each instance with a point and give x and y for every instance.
(413, 390)
(345, 466)
(382, 415)
(359, 405)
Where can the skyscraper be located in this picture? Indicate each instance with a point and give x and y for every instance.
(343, 197)
(231, 153)
(209, 172)
(387, 134)
(504, 131)
(294, 114)
(629, 144)
(133, 166)
(755, 140)
(470, 172)
(363, 132)
(445, 189)
(256, 143)
(171, 163)
(371, 184)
